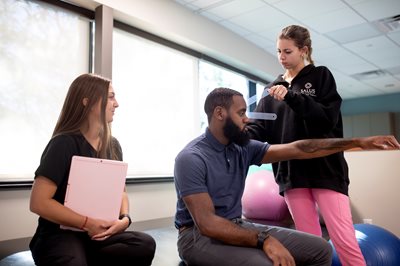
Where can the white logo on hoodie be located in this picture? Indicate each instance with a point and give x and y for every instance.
(308, 91)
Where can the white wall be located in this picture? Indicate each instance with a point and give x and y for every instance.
(16, 219)
(169, 20)
(147, 202)
(152, 201)
(374, 187)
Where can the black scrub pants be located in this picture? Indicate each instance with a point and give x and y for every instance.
(69, 248)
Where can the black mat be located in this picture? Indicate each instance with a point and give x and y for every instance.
(166, 251)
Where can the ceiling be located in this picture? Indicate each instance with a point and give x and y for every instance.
(358, 40)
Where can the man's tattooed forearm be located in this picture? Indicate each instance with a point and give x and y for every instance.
(310, 146)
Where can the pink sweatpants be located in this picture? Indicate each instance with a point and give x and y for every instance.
(335, 210)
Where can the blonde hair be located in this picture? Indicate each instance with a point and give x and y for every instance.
(300, 36)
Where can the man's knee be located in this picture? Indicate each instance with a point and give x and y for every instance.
(326, 252)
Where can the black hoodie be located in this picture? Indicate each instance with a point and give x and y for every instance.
(311, 109)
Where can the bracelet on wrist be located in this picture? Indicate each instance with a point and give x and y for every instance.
(122, 216)
(84, 223)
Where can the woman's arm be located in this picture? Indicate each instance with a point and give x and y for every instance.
(125, 209)
(43, 204)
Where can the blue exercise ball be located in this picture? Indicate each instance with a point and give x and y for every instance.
(378, 246)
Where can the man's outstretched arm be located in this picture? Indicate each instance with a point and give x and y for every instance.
(313, 148)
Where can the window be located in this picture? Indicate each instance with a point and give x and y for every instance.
(156, 88)
(160, 87)
(212, 76)
(42, 49)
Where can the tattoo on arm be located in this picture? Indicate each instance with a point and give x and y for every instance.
(314, 145)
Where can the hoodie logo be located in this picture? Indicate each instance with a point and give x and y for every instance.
(307, 90)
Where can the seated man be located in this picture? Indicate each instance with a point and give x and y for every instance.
(210, 175)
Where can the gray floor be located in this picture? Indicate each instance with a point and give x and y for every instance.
(166, 252)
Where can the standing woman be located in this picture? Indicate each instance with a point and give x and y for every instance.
(83, 129)
(307, 105)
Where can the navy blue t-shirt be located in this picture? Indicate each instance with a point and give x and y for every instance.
(206, 165)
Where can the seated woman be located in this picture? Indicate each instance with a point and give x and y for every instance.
(83, 129)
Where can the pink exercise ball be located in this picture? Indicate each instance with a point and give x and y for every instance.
(261, 199)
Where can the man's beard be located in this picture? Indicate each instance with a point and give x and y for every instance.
(235, 134)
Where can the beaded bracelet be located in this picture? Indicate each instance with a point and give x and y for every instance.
(84, 223)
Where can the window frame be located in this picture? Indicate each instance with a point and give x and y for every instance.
(90, 14)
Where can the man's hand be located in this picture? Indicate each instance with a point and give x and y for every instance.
(279, 255)
(379, 142)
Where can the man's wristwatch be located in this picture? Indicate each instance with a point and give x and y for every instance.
(261, 237)
(122, 216)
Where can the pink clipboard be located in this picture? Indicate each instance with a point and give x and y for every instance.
(95, 188)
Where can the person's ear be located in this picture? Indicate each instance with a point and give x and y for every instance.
(304, 51)
(85, 101)
(219, 113)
